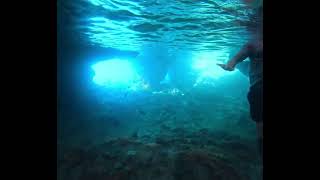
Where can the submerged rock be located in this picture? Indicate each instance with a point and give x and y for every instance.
(131, 153)
(176, 155)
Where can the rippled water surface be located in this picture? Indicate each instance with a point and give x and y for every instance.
(202, 25)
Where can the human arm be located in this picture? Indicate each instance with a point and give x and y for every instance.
(239, 57)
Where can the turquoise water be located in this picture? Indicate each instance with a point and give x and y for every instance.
(140, 95)
(204, 25)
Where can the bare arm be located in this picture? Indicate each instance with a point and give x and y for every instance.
(239, 57)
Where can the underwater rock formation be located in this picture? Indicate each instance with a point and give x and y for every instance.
(173, 155)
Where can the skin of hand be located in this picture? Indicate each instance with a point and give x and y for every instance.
(241, 55)
(228, 67)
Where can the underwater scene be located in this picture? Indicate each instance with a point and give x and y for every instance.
(159, 89)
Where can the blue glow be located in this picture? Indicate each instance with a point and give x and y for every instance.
(209, 68)
(114, 72)
(205, 64)
(166, 80)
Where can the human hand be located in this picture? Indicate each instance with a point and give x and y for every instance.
(226, 67)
